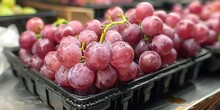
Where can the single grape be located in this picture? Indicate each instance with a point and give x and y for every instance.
(152, 25)
(49, 32)
(43, 46)
(35, 24)
(81, 77)
(35, 62)
(205, 14)
(177, 42)
(113, 12)
(27, 39)
(24, 55)
(69, 54)
(212, 38)
(214, 24)
(94, 25)
(161, 14)
(77, 26)
(51, 61)
(141, 47)
(185, 29)
(106, 78)
(194, 18)
(161, 44)
(201, 33)
(168, 31)
(47, 73)
(172, 19)
(70, 40)
(87, 36)
(149, 61)
(132, 34)
(113, 36)
(61, 76)
(143, 9)
(97, 56)
(169, 58)
(177, 8)
(130, 14)
(189, 48)
(122, 54)
(195, 7)
(129, 73)
(63, 31)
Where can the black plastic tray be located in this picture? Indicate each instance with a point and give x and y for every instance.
(122, 97)
(20, 20)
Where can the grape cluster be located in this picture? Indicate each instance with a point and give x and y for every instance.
(121, 47)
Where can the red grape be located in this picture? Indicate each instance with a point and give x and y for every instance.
(168, 31)
(81, 77)
(161, 14)
(24, 55)
(161, 44)
(87, 36)
(94, 25)
(172, 19)
(61, 76)
(48, 32)
(177, 8)
(63, 31)
(185, 29)
(70, 40)
(141, 47)
(35, 62)
(113, 36)
(113, 12)
(47, 73)
(212, 38)
(69, 54)
(194, 18)
(201, 33)
(77, 26)
(51, 61)
(27, 39)
(143, 10)
(152, 25)
(128, 73)
(189, 48)
(43, 46)
(97, 56)
(132, 34)
(122, 54)
(149, 61)
(106, 78)
(35, 24)
(217, 45)
(195, 7)
(130, 14)
(170, 57)
(177, 42)
(214, 24)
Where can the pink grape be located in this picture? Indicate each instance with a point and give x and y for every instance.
(81, 77)
(63, 31)
(214, 24)
(161, 14)
(212, 38)
(106, 78)
(143, 9)
(35, 62)
(88, 36)
(27, 39)
(97, 56)
(177, 42)
(201, 33)
(69, 55)
(170, 58)
(152, 25)
(129, 73)
(48, 32)
(217, 45)
(113, 12)
(205, 14)
(43, 46)
(172, 19)
(122, 54)
(113, 36)
(149, 61)
(177, 8)
(70, 40)
(77, 26)
(44, 71)
(61, 76)
(24, 55)
(132, 34)
(51, 61)
(94, 25)
(195, 7)
(141, 47)
(35, 24)
(161, 44)
(189, 48)
(168, 31)
(34, 49)
(130, 14)
(185, 29)
(194, 18)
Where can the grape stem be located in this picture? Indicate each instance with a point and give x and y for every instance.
(82, 49)
(60, 21)
(39, 36)
(112, 23)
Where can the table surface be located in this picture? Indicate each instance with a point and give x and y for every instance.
(13, 95)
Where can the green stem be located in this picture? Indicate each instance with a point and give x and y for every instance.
(60, 21)
(146, 38)
(39, 36)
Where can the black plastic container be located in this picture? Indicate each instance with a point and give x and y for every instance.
(122, 97)
(20, 20)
